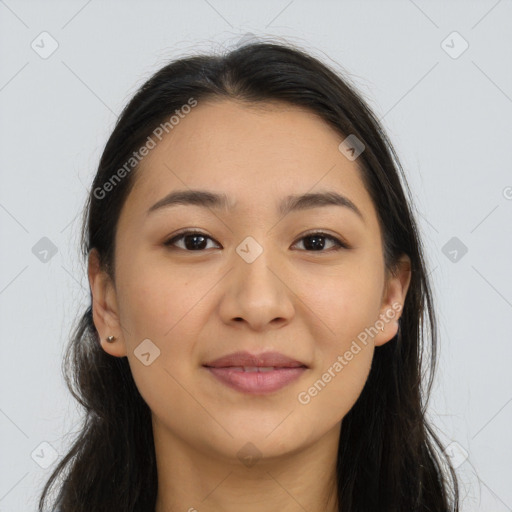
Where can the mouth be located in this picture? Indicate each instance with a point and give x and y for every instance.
(256, 374)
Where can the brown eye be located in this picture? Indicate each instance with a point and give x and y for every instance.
(315, 242)
(192, 241)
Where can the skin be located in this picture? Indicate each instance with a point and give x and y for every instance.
(198, 305)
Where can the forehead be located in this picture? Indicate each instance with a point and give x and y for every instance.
(254, 153)
(251, 136)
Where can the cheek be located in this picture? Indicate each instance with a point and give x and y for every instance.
(335, 391)
(155, 300)
(348, 303)
(340, 373)
(167, 306)
(157, 305)
(345, 302)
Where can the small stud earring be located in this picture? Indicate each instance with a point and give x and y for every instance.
(110, 339)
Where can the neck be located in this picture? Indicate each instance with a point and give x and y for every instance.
(194, 481)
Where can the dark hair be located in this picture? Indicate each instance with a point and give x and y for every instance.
(112, 464)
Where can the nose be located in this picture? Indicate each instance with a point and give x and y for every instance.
(256, 294)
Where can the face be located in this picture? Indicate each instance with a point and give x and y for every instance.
(258, 273)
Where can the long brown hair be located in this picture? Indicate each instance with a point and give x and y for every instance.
(111, 464)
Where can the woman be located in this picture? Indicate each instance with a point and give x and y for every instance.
(259, 302)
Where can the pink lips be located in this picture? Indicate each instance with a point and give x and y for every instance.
(256, 374)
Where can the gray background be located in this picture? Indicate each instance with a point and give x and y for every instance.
(448, 114)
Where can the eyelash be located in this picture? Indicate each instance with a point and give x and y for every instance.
(339, 244)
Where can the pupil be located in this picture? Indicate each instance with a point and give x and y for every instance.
(315, 244)
(194, 245)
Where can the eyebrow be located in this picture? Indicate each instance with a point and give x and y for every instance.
(289, 204)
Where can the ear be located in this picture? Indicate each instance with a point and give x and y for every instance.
(393, 300)
(104, 307)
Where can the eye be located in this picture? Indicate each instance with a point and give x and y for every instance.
(197, 241)
(193, 240)
(316, 242)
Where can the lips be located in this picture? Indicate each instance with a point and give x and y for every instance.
(252, 362)
(256, 374)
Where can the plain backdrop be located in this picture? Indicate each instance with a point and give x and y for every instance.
(438, 75)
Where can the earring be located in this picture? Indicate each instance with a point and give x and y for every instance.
(110, 339)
